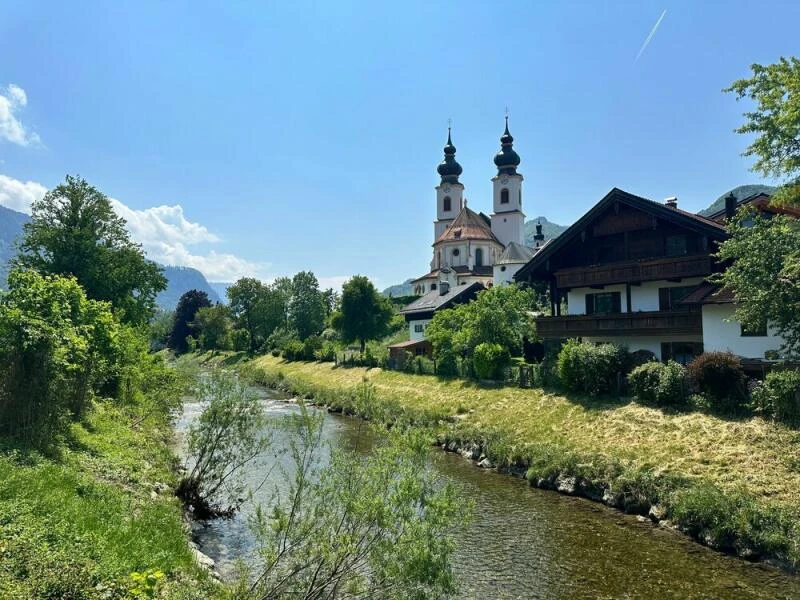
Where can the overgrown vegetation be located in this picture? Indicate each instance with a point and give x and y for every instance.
(660, 384)
(590, 368)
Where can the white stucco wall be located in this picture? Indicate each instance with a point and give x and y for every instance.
(644, 297)
(415, 335)
(652, 344)
(722, 334)
(505, 277)
(576, 298)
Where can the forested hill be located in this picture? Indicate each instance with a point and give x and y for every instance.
(742, 191)
(179, 279)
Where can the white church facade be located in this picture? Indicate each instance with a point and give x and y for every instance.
(472, 247)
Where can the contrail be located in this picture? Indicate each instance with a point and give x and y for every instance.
(650, 37)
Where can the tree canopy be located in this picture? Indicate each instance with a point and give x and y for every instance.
(74, 231)
(307, 309)
(764, 273)
(364, 314)
(775, 122)
(185, 314)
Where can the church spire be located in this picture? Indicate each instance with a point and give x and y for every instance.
(507, 160)
(449, 168)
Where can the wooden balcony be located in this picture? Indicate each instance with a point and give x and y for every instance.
(656, 323)
(635, 271)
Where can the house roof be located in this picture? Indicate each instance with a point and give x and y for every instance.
(435, 300)
(686, 219)
(409, 344)
(709, 293)
(515, 253)
(468, 225)
(482, 271)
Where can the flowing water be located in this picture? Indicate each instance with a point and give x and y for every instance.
(528, 543)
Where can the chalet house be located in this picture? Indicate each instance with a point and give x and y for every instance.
(634, 272)
(419, 313)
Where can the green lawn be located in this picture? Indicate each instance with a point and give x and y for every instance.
(76, 524)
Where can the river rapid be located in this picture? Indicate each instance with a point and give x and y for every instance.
(524, 542)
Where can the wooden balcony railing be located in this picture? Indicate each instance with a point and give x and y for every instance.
(630, 272)
(676, 322)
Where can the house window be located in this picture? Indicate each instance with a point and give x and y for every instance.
(419, 328)
(504, 196)
(433, 286)
(479, 257)
(446, 203)
(675, 245)
(603, 304)
(669, 298)
(760, 330)
(681, 352)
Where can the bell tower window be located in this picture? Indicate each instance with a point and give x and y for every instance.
(504, 196)
(447, 202)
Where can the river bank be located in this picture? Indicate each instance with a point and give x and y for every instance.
(96, 517)
(731, 485)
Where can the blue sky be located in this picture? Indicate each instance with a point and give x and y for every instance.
(266, 138)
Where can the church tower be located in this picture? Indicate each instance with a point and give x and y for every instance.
(508, 220)
(449, 192)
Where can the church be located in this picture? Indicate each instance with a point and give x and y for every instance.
(471, 247)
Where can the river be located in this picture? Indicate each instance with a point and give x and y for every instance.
(529, 543)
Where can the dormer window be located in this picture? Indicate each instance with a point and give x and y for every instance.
(504, 196)
(446, 204)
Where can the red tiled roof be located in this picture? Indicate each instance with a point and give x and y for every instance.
(468, 225)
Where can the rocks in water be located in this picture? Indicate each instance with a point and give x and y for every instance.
(566, 484)
(657, 513)
(485, 463)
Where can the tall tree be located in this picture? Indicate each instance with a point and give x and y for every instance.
(185, 314)
(364, 313)
(246, 303)
(74, 231)
(212, 325)
(764, 273)
(775, 122)
(306, 306)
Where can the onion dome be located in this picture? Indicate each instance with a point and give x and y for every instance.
(449, 169)
(506, 160)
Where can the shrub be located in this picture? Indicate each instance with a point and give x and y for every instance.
(311, 345)
(446, 364)
(778, 397)
(589, 368)
(326, 353)
(490, 360)
(719, 376)
(658, 383)
(293, 350)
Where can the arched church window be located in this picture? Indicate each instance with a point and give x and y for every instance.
(504, 196)
(447, 203)
(479, 257)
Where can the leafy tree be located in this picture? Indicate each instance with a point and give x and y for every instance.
(56, 351)
(185, 313)
(776, 123)
(377, 525)
(246, 304)
(332, 301)
(212, 324)
(501, 315)
(364, 313)
(306, 307)
(74, 231)
(159, 329)
(228, 435)
(764, 273)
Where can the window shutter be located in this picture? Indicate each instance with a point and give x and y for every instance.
(663, 299)
(617, 302)
(589, 304)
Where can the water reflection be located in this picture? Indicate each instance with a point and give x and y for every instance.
(528, 543)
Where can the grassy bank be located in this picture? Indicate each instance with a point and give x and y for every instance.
(732, 484)
(79, 521)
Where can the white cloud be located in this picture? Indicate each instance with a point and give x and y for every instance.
(19, 195)
(12, 100)
(163, 231)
